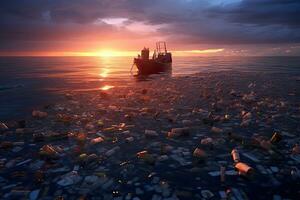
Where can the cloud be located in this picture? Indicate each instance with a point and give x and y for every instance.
(265, 12)
(189, 22)
(242, 22)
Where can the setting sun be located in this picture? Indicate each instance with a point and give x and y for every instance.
(108, 53)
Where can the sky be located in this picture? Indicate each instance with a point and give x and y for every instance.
(123, 27)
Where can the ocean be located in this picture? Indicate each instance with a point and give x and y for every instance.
(30, 82)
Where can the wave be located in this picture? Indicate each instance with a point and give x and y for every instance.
(10, 87)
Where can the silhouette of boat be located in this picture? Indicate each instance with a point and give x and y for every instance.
(161, 60)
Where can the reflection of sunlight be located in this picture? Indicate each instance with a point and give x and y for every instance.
(104, 73)
(107, 87)
(105, 67)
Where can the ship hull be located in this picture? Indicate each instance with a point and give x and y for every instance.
(152, 66)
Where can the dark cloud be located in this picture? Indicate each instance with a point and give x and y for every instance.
(188, 21)
(265, 12)
(245, 22)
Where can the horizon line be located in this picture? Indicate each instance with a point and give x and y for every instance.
(119, 53)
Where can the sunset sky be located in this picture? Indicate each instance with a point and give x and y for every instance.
(123, 27)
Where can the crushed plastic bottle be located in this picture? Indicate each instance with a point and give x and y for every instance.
(235, 155)
(243, 169)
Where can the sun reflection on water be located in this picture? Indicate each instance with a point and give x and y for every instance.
(107, 87)
(104, 73)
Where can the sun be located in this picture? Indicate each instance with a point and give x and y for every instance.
(108, 53)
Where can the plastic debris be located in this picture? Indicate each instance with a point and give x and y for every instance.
(199, 153)
(70, 178)
(235, 155)
(49, 136)
(151, 133)
(142, 154)
(91, 182)
(206, 194)
(3, 127)
(207, 141)
(39, 114)
(146, 157)
(111, 145)
(296, 149)
(97, 140)
(177, 132)
(216, 130)
(276, 138)
(112, 151)
(49, 151)
(243, 168)
(130, 139)
(34, 195)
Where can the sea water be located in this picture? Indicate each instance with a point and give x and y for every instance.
(28, 82)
